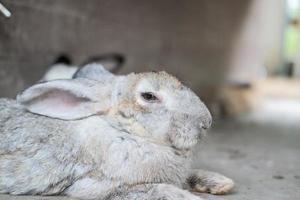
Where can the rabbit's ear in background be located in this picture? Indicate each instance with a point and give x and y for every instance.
(93, 72)
(59, 71)
(63, 99)
(62, 68)
(112, 62)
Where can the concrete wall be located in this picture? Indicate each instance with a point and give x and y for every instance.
(200, 41)
(191, 39)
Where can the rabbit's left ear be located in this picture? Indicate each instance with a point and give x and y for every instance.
(64, 99)
(93, 72)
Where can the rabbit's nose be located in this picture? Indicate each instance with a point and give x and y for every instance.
(206, 124)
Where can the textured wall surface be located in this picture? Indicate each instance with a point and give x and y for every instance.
(197, 40)
(191, 39)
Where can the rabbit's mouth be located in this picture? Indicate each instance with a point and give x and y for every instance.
(184, 137)
(185, 141)
(185, 132)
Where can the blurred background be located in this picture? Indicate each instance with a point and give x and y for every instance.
(241, 56)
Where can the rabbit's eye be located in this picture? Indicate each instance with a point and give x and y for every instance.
(148, 96)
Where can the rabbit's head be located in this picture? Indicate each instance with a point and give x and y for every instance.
(154, 105)
(161, 107)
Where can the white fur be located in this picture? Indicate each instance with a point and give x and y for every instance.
(59, 71)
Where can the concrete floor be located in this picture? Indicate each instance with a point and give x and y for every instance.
(263, 159)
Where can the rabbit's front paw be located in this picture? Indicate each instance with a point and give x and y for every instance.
(210, 182)
(170, 192)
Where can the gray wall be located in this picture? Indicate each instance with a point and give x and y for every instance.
(189, 38)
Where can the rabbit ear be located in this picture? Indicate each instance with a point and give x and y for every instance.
(63, 99)
(93, 72)
(112, 62)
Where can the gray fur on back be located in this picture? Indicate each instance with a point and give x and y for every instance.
(32, 148)
(39, 155)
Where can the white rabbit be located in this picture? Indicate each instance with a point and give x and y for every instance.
(59, 71)
(62, 68)
(101, 136)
